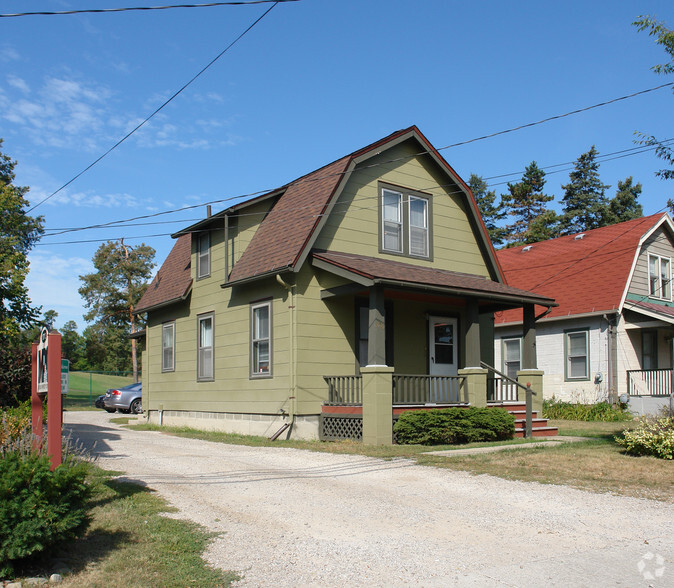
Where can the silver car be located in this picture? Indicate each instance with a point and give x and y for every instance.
(126, 399)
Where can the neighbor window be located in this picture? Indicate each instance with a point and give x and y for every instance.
(577, 355)
(168, 331)
(405, 223)
(205, 347)
(203, 255)
(659, 277)
(512, 354)
(260, 340)
(649, 350)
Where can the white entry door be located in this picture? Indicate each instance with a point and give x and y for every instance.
(442, 346)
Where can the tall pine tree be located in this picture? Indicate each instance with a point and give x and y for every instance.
(624, 205)
(584, 203)
(490, 211)
(525, 202)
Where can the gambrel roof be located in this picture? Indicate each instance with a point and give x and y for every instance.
(587, 273)
(285, 236)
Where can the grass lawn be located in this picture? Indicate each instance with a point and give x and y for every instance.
(129, 542)
(84, 388)
(598, 465)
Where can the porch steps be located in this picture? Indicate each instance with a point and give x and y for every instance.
(539, 426)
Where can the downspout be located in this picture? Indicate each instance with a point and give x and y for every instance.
(226, 248)
(612, 357)
(292, 334)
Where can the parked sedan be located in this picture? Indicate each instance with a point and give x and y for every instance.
(126, 399)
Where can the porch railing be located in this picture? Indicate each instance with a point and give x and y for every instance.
(418, 389)
(649, 382)
(407, 389)
(345, 390)
(501, 390)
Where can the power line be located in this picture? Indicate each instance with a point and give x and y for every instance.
(128, 222)
(157, 110)
(145, 8)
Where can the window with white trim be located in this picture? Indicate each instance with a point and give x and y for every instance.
(203, 255)
(512, 356)
(168, 331)
(405, 223)
(576, 344)
(260, 340)
(659, 277)
(205, 347)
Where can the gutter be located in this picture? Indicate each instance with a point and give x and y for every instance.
(292, 337)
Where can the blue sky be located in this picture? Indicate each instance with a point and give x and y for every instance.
(314, 80)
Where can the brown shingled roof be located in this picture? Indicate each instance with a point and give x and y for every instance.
(387, 271)
(173, 280)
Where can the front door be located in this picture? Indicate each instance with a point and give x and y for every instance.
(442, 346)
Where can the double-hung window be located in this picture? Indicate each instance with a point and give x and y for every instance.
(203, 255)
(659, 277)
(512, 354)
(168, 333)
(405, 222)
(577, 355)
(205, 347)
(260, 340)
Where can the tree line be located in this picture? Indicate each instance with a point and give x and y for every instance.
(521, 216)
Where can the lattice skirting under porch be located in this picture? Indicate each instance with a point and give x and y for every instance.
(338, 427)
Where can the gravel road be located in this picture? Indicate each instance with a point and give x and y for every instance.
(288, 517)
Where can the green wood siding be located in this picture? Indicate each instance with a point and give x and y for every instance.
(353, 225)
(659, 243)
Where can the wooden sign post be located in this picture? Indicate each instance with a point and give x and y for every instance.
(46, 382)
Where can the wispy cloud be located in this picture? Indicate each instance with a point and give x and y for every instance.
(8, 54)
(18, 83)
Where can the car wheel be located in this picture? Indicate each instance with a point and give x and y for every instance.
(136, 406)
(110, 409)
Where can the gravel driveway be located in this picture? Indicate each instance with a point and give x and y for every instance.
(289, 517)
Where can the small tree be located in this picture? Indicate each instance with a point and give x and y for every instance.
(525, 202)
(490, 211)
(584, 201)
(112, 292)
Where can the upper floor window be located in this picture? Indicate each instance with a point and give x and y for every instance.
(168, 331)
(659, 277)
(203, 255)
(577, 355)
(512, 354)
(205, 347)
(405, 222)
(260, 340)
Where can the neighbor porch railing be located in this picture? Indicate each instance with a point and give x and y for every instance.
(649, 382)
(407, 389)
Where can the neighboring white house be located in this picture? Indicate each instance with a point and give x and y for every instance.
(613, 329)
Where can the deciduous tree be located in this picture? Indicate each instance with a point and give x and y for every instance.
(112, 292)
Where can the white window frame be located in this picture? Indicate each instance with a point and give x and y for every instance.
(659, 283)
(203, 255)
(403, 222)
(167, 366)
(204, 351)
(398, 223)
(258, 340)
(568, 357)
(504, 359)
(411, 199)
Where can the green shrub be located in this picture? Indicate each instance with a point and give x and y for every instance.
(38, 508)
(454, 425)
(601, 411)
(652, 436)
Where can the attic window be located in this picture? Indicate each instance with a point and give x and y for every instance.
(659, 277)
(579, 236)
(203, 255)
(405, 226)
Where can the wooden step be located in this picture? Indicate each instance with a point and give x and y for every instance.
(538, 432)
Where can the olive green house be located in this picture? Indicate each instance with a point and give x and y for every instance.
(368, 282)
